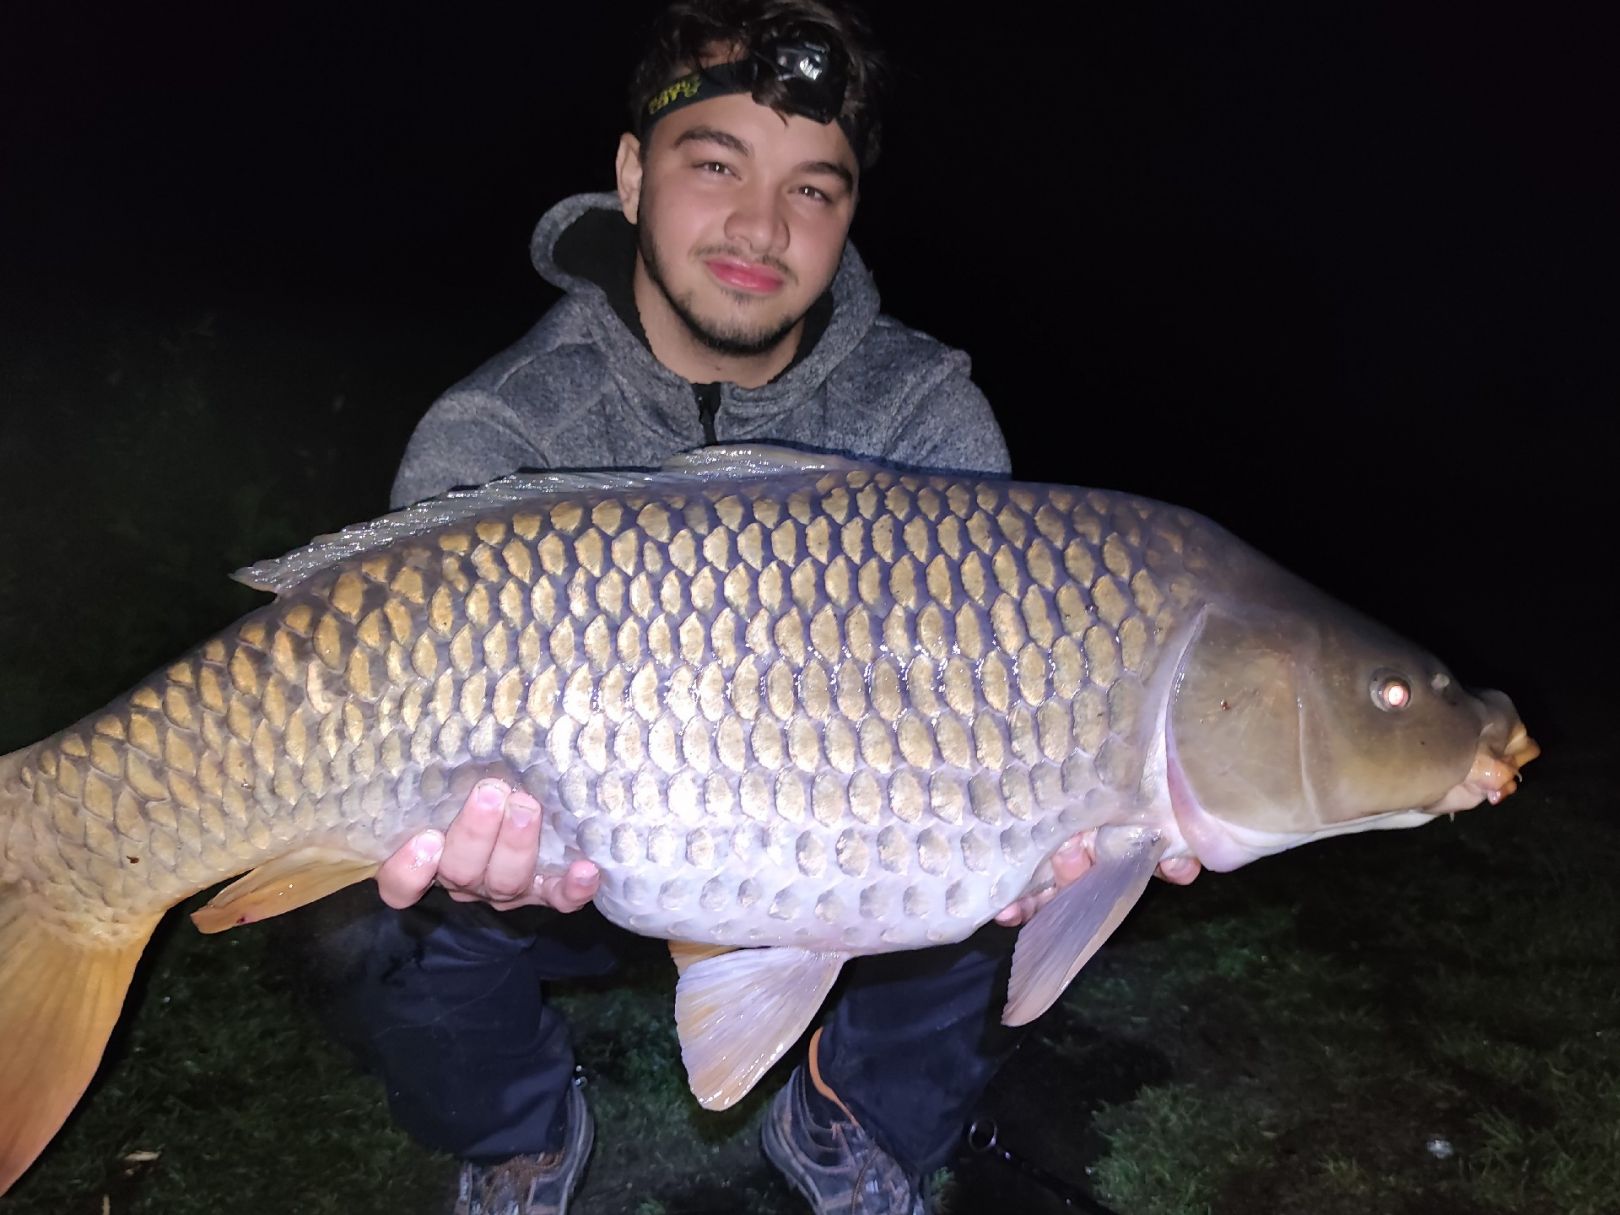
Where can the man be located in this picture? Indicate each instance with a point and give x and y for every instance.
(713, 297)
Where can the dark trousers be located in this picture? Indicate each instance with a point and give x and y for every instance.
(445, 1003)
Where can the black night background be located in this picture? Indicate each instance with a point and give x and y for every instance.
(1329, 274)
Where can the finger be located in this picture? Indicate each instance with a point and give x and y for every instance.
(472, 834)
(571, 890)
(579, 885)
(510, 872)
(1072, 859)
(1180, 870)
(567, 891)
(1018, 912)
(405, 877)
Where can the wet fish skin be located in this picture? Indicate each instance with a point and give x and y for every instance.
(828, 708)
(656, 675)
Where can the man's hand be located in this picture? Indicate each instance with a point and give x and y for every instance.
(488, 855)
(1073, 857)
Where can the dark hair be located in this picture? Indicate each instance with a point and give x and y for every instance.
(689, 30)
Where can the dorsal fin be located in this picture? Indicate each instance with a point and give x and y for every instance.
(743, 461)
(738, 462)
(282, 574)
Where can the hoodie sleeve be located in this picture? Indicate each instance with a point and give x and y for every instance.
(468, 437)
(951, 427)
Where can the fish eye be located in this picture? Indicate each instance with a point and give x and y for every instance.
(1390, 692)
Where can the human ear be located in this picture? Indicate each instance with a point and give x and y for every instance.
(627, 169)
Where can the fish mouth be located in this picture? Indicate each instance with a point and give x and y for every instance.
(1505, 746)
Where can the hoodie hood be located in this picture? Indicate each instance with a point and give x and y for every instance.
(581, 389)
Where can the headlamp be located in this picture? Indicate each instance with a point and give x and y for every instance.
(812, 71)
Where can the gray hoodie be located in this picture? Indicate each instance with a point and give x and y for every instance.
(583, 390)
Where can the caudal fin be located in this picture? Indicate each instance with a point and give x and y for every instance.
(60, 995)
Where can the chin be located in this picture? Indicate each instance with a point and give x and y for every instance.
(732, 338)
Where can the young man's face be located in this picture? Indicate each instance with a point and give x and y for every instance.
(741, 218)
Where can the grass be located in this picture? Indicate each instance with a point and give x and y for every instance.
(1421, 1022)
(219, 1092)
(1431, 1032)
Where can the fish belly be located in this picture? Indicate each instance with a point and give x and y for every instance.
(857, 713)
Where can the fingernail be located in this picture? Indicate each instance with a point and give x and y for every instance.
(520, 818)
(425, 849)
(488, 794)
(1070, 848)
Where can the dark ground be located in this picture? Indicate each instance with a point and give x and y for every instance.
(1334, 277)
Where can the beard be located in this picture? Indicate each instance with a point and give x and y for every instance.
(737, 338)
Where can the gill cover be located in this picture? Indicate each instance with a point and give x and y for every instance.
(1289, 722)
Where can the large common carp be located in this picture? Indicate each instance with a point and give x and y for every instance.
(815, 707)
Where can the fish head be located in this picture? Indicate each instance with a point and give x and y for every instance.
(1290, 722)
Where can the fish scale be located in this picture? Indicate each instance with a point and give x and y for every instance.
(782, 860)
(788, 702)
(662, 676)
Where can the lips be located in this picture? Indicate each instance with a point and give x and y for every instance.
(1495, 773)
(744, 276)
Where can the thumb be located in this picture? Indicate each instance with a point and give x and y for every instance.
(406, 876)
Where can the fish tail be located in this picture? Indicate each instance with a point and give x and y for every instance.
(60, 994)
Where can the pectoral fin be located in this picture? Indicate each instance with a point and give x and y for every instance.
(737, 1011)
(281, 885)
(1061, 937)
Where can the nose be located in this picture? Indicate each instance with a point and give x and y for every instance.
(757, 222)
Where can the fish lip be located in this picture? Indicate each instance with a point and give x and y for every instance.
(1496, 772)
(1520, 748)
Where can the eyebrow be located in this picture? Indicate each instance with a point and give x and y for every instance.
(714, 135)
(743, 148)
(831, 167)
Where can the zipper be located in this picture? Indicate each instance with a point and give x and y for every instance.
(708, 403)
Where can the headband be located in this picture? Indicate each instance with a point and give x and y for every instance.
(813, 75)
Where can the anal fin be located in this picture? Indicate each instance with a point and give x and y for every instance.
(684, 953)
(280, 885)
(1061, 937)
(737, 1011)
